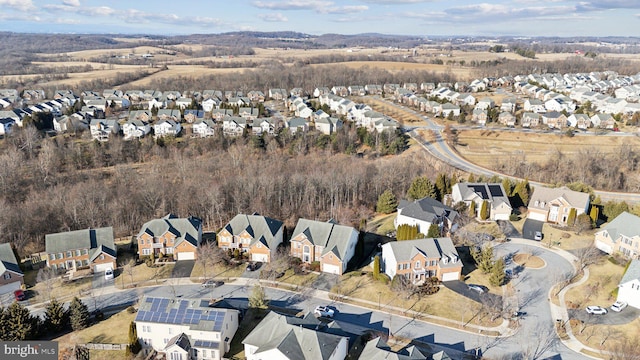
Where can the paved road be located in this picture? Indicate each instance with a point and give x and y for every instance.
(442, 151)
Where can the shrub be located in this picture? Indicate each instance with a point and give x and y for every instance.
(131, 310)
(514, 217)
(315, 266)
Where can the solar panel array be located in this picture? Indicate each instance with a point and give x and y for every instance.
(166, 311)
(495, 190)
(480, 190)
(206, 344)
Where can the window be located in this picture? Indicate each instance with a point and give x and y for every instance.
(52, 256)
(7, 276)
(69, 254)
(78, 252)
(418, 264)
(165, 340)
(170, 331)
(85, 252)
(85, 262)
(204, 353)
(102, 257)
(60, 255)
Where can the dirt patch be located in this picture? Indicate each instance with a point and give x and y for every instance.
(529, 261)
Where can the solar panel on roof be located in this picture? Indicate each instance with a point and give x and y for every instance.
(495, 190)
(480, 190)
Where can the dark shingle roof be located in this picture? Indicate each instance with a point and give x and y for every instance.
(96, 240)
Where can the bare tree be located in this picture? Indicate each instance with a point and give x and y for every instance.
(205, 256)
(47, 276)
(535, 345)
(625, 349)
(129, 267)
(587, 256)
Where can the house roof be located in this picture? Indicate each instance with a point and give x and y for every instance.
(377, 349)
(440, 248)
(333, 237)
(295, 341)
(8, 260)
(426, 209)
(96, 240)
(632, 273)
(260, 228)
(494, 193)
(624, 224)
(542, 195)
(181, 340)
(194, 313)
(185, 229)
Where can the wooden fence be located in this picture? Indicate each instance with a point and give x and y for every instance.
(96, 346)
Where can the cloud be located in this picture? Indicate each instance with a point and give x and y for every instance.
(599, 5)
(71, 2)
(318, 6)
(348, 9)
(277, 17)
(22, 5)
(396, 2)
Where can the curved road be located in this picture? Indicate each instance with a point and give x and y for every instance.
(441, 150)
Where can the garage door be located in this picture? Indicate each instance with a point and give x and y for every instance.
(186, 255)
(102, 267)
(450, 276)
(260, 257)
(9, 288)
(536, 216)
(331, 269)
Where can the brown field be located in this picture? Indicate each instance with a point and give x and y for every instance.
(483, 147)
(463, 72)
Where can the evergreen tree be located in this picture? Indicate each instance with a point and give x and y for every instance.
(134, 345)
(497, 276)
(434, 231)
(421, 187)
(612, 209)
(258, 298)
(483, 258)
(78, 314)
(471, 178)
(571, 220)
(387, 202)
(507, 184)
(376, 266)
(18, 324)
(443, 186)
(523, 191)
(484, 210)
(56, 317)
(472, 210)
(407, 232)
(594, 214)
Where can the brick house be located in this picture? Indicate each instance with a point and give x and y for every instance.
(257, 235)
(89, 248)
(420, 259)
(172, 236)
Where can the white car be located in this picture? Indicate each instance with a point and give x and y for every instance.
(324, 311)
(537, 236)
(108, 274)
(596, 310)
(618, 306)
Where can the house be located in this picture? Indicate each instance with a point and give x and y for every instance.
(530, 119)
(328, 125)
(135, 129)
(87, 248)
(254, 234)
(185, 329)
(191, 116)
(534, 105)
(553, 205)
(496, 199)
(11, 276)
(465, 99)
(554, 120)
(330, 244)
(621, 235)
(169, 114)
(269, 125)
(605, 121)
(579, 121)
(448, 108)
(172, 236)
(280, 337)
(298, 124)
(507, 119)
(234, 125)
(425, 212)
(6, 124)
(418, 260)
(629, 287)
(204, 128)
(166, 127)
(377, 349)
(508, 105)
(209, 104)
(479, 116)
(102, 128)
(184, 102)
(485, 104)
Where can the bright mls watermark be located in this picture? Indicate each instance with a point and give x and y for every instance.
(35, 350)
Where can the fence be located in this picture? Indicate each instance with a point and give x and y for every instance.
(96, 346)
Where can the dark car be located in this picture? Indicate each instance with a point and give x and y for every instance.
(252, 266)
(212, 283)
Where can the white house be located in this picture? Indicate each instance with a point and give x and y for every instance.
(425, 212)
(101, 129)
(135, 129)
(166, 127)
(11, 276)
(204, 127)
(184, 329)
(497, 200)
(629, 287)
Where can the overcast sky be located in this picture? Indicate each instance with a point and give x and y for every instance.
(401, 17)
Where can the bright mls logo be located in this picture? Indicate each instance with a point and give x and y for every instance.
(36, 350)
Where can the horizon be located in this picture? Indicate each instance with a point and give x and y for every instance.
(416, 18)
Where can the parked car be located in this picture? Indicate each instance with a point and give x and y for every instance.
(537, 236)
(108, 274)
(596, 310)
(252, 266)
(618, 306)
(477, 288)
(212, 283)
(19, 295)
(323, 311)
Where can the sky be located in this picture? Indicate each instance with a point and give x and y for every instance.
(315, 17)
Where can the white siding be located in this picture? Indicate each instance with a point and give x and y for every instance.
(388, 261)
(630, 292)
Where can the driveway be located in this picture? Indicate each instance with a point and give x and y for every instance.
(325, 281)
(183, 268)
(98, 281)
(461, 288)
(507, 228)
(530, 227)
(610, 318)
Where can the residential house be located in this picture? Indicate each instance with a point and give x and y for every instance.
(169, 114)
(377, 349)
(278, 94)
(135, 129)
(497, 202)
(144, 115)
(6, 124)
(280, 337)
(101, 129)
(553, 205)
(249, 113)
(534, 105)
(465, 99)
(171, 236)
(209, 104)
(479, 116)
(447, 109)
(425, 212)
(629, 287)
(204, 128)
(554, 120)
(330, 244)
(185, 329)
(87, 248)
(317, 92)
(579, 121)
(191, 116)
(256, 96)
(155, 102)
(485, 104)
(269, 125)
(328, 125)
(605, 121)
(530, 119)
(184, 102)
(219, 114)
(385, 124)
(166, 127)
(507, 119)
(11, 276)
(621, 235)
(234, 125)
(298, 124)
(257, 235)
(508, 105)
(418, 260)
